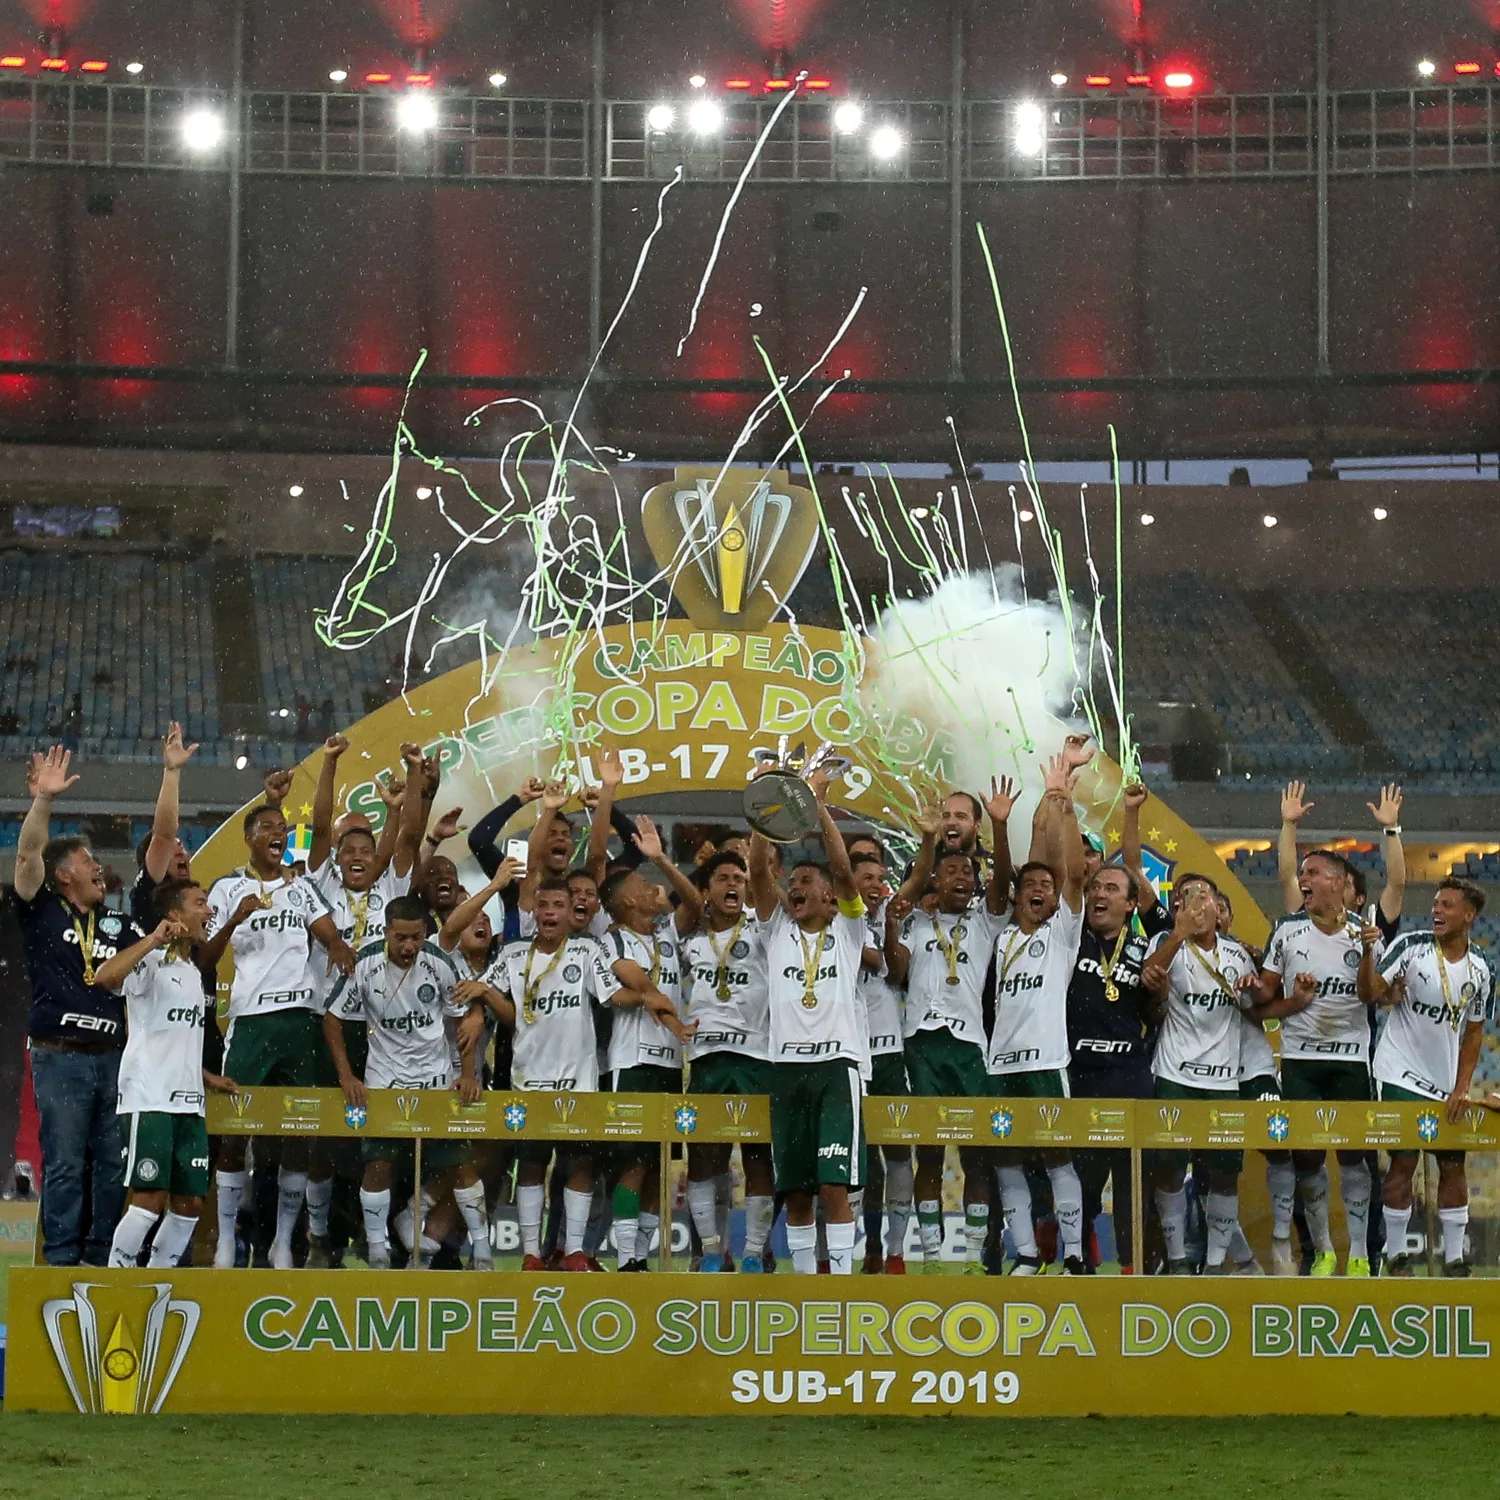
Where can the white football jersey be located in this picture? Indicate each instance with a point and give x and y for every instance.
(637, 1038)
(829, 1024)
(554, 1047)
(1201, 1032)
(359, 917)
(1031, 994)
(932, 1004)
(406, 1011)
(1418, 1047)
(734, 961)
(161, 1069)
(884, 1021)
(1336, 1026)
(1256, 1058)
(273, 968)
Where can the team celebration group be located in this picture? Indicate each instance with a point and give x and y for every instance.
(817, 982)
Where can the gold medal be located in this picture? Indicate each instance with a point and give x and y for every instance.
(1455, 1012)
(721, 984)
(360, 907)
(948, 944)
(86, 946)
(529, 986)
(1107, 968)
(810, 957)
(1111, 992)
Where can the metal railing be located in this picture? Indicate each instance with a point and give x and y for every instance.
(46, 122)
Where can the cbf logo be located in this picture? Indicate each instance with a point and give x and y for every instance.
(1278, 1126)
(120, 1347)
(515, 1116)
(685, 1119)
(1427, 1125)
(1002, 1122)
(356, 1117)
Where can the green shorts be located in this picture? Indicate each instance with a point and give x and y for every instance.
(1034, 1083)
(1394, 1093)
(1266, 1086)
(1312, 1078)
(437, 1156)
(728, 1073)
(356, 1046)
(1211, 1161)
(166, 1153)
(940, 1066)
(279, 1048)
(817, 1126)
(644, 1078)
(887, 1075)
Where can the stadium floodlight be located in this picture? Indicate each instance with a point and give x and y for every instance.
(1180, 79)
(203, 130)
(416, 114)
(1059, 79)
(848, 117)
(1268, 522)
(697, 81)
(1029, 135)
(1147, 519)
(241, 761)
(661, 117)
(497, 80)
(705, 117)
(886, 142)
(1380, 512)
(1427, 67)
(295, 491)
(135, 69)
(337, 75)
(283, 713)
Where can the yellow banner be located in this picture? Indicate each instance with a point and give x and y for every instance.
(413, 1341)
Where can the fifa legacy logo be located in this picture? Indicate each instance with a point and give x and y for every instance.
(733, 545)
(120, 1347)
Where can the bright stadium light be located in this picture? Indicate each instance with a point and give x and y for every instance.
(295, 491)
(241, 761)
(886, 142)
(203, 130)
(1427, 67)
(1025, 515)
(1029, 135)
(848, 117)
(416, 114)
(705, 117)
(1268, 522)
(424, 492)
(1059, 79)
(337, 75)
(135, 69)
(919, 513)
(697, 81)
(1147, 519)
(497, 80)
(1380, 512)
(661, 116)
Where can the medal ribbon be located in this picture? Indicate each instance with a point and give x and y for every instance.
(1455, 1012)
(721, 981)
(948, 945)
(86, 945)
(529, 987)
(1107, 970)
(810, 957)
(1218, 978)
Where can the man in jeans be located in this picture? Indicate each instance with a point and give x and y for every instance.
(77, 1029)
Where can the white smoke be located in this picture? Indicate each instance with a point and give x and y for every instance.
(980, 664)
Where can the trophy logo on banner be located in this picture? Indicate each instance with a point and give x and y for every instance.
(120, 1347)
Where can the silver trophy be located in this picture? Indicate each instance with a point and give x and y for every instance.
(778, 803)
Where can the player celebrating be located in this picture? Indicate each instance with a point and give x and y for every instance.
(1439, 991)
(725, 989)
(265, 916)
(403, 989)
(162, 1078)
(1207, 980)
(545, 990)
(1028, 1052)
(819, 1046)
(1325, 1048)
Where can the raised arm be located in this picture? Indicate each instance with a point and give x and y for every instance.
(1294, 807)
(1066, 856)
(897, 956)
(164, 825)
(611, 774)
(998, 805)
(689, 898)
(554, 799)
(484, 836)
(414, 819)
(1371, 983)
(113, 972)
(1388, 815)
(322, 814)
(929, 823)
(840, 871)
(46, 779)
(459, 918)
(763, 890)
(1133, 798)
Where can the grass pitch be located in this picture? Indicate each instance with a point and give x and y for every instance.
(503, 1458)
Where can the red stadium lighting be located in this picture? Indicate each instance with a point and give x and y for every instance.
(818, 83)
(55, 64)
(94, 65)
(1466, 67)
(12, 62)
(1138, 80)
(1098, 80)
(420, 80)
(377, 77)
(772, 84)
(736, 83)
(1180, 79)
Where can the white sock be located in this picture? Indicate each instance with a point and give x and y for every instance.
(130, 1235)
(319, 1199)
(724, 1208)
(930, 1227)
(1354, 1184)
(529, 1200)
(1171, 1209)
(231, 1186)
(1223, 1213)
(841, 1247)
(470, 1201)
(1240, 1250)
(976, 1229)
(1454, 1221)
(1067, 1200)
(898, 1206)
(760, 1210)
(802, 1241)
(1015, 1200)
(291, 1193)
(174, 1236)
(406, 1226)
(1313, 1186)
(1281, 1184)
(705, 1211)
(427, 1247)
(649, 1225)
(576, 1208)
(1397, 1221)
(376, 1208)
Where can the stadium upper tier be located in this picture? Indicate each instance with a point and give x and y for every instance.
(110, 646)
